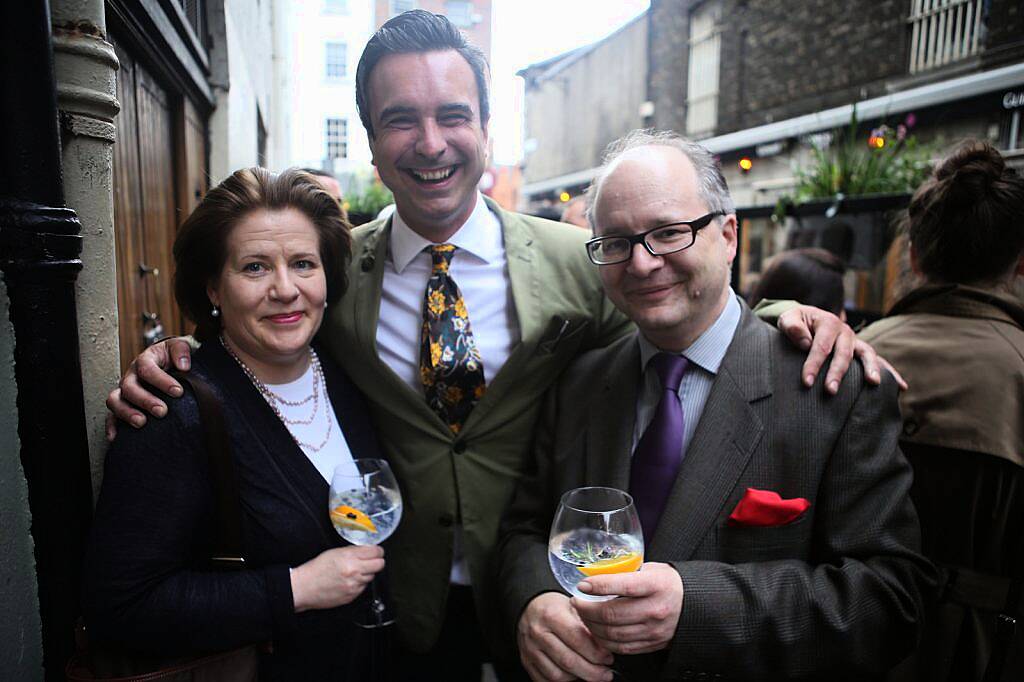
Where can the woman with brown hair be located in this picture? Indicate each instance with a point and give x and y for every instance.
(959, 341)
(258, 262)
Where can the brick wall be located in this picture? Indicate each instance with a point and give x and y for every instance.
(784, 58)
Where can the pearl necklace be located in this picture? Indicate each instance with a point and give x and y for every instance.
(273, 399)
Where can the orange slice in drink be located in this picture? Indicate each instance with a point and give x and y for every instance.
(627, 563)
(350, 518)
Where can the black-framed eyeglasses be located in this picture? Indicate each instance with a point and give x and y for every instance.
(659, 241)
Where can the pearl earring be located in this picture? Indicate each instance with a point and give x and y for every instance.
(215, 312)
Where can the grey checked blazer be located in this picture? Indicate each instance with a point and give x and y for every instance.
(836, 594)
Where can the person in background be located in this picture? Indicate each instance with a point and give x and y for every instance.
(575, 212)
(330, 184)
(811, 276)
(779, 537)
(460, 316)
(257, 263)
(958, 338)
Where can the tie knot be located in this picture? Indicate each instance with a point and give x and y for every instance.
(442, 255)
(670, 368)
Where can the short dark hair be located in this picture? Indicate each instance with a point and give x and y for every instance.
(418, 31)
(965, 221)
(810, 276)
(200, 249)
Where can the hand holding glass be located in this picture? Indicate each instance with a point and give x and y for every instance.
(365, 506)
(596, 531)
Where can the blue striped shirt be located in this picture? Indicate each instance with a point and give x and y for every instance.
(705, 356)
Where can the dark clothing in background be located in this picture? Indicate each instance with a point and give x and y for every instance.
(962, 352)
(147, 587)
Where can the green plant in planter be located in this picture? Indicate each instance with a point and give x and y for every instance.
(889, 161)
(368, 196)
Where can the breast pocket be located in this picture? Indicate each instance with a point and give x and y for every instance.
(741, 544)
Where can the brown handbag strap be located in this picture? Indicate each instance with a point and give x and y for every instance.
(227, 503)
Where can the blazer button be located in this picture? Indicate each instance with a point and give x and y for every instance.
(459, 447)
(367, 264)
(909, 427)
(445, 520)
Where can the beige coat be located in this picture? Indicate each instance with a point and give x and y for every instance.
(962, 351)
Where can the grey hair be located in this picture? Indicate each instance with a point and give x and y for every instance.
(711, 188)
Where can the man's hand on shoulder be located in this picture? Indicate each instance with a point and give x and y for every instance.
(645, 615)
(148, 367)
(822, 334)
(554, 645)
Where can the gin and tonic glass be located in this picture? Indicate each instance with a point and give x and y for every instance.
(365, 505)
(596, 531)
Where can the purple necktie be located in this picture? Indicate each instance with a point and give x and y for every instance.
(660, 450)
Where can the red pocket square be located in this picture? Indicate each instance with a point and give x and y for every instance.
(766, 508)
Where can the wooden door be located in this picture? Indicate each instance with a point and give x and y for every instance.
(159, 177)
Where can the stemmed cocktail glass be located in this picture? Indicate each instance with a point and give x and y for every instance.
(365, 507)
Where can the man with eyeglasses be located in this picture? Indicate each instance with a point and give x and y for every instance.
(780, 541)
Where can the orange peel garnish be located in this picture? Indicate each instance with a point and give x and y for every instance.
(350, 518)
(620, 564)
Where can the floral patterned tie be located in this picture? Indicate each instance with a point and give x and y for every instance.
(450, 366)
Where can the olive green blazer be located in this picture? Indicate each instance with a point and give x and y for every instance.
(562, 312)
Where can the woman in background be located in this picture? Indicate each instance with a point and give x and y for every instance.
(959, 341)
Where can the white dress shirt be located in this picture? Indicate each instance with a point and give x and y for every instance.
(480, 269)
(705, 356)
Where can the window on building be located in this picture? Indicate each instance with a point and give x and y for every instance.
(195, 15)
(336, 138)
(943, 31)
(335, 6)
(459, 12)
(399, 6)
(337, 60)
(702, 80)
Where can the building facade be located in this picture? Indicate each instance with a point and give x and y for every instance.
(575, 104)
(754, 79)
(319, 44)
(473, 17)
(127, 111)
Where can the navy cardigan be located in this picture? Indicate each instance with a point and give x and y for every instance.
(147, 584)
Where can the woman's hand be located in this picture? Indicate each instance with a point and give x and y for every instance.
(334, 577)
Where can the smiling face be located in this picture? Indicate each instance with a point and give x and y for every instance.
(271, 292)
(430, 146)
(673, 299)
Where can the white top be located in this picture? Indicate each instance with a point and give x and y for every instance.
(336, 450)
(480, 269)
(705, 356)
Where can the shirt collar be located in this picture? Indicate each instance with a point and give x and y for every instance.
(709, 349)
(480, 236)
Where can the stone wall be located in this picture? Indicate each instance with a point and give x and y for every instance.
(593, 97)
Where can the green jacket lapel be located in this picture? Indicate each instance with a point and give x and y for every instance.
(612, 418)
(524, 282)
(368, 283)
(725, 438)
(383, 384)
